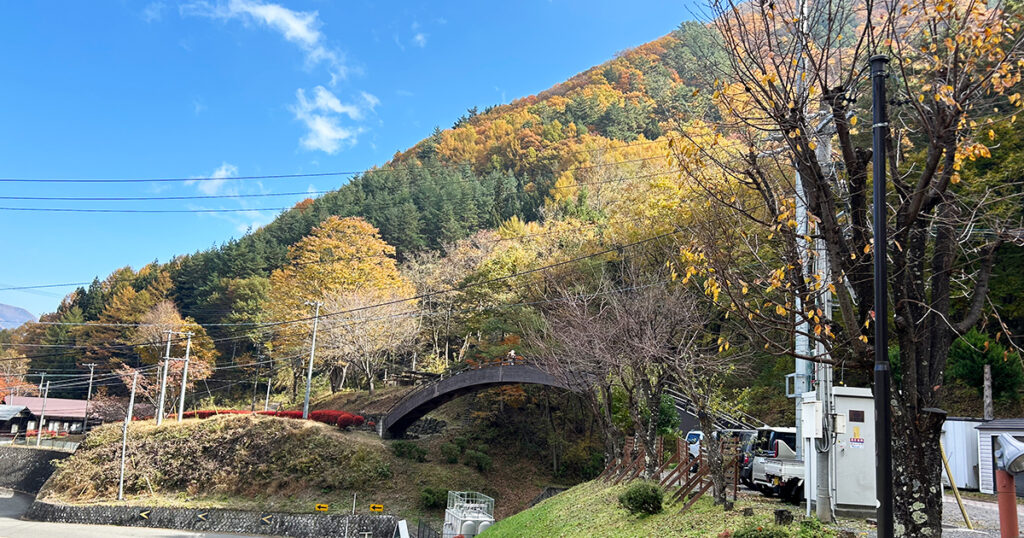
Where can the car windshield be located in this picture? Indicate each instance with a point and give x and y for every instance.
(692, 437)
(786, 437)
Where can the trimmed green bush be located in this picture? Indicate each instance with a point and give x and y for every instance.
(434, 498)
(409, 450)
(462, 443)
(450, 453)
(642, 498)
(479, 460)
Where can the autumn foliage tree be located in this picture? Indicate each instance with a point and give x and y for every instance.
(341, 256)
(790, 97)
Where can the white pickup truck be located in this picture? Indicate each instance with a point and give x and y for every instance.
(776, 471)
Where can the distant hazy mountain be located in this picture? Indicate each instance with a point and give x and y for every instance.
(12, 316)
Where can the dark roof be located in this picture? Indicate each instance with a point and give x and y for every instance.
(1003, 424)
(7, 412)
(55, 407)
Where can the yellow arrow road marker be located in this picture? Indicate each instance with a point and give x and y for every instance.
(322, 507)
(202, 516)
(144, 514)
(266, 519)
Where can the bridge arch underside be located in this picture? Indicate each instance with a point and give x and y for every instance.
(433, 396)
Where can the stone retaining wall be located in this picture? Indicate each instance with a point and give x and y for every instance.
(219, 520)
(27, 469)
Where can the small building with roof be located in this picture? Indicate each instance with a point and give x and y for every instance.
(986, 452)
(12, 420)
(57, 414)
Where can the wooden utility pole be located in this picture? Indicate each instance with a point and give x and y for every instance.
(988, 413)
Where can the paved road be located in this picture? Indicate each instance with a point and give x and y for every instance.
(13, 505)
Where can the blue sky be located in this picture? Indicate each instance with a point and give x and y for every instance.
(244, 87)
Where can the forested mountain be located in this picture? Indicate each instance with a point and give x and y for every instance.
(13, 316)
(518, 160)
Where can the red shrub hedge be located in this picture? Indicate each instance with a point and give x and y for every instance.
(337, 417)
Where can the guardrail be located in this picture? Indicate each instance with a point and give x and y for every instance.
(450, 373)
(52, 444)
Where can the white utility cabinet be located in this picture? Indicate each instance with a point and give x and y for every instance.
(469, 513)
(851, 419)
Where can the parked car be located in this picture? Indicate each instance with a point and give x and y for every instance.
(693, 441)
(774, 469)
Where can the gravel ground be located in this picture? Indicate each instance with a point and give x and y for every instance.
(984, 515)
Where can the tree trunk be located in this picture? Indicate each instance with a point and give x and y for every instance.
(917, 472)
(714, 459)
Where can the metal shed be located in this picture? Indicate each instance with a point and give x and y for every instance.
(986, 460)
(960, 439)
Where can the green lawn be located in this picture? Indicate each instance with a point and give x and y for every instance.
(592, 510)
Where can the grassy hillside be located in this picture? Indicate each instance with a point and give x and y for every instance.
(269, 463)
(592, 509)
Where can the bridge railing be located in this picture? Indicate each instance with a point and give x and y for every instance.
(462, 367)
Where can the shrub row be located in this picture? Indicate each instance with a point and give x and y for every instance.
(46, 433)
(341, 419)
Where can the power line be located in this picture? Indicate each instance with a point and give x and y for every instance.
(291, 176)
(361, 207)
(151, 198)
(497, 240)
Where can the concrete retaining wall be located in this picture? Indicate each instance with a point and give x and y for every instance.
(27, 469)
(219, 520)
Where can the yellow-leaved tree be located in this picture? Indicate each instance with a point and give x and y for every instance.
(340, 257)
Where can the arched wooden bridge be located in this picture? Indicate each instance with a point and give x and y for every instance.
(429, 397)
(425, 399)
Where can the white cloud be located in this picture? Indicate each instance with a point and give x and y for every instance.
(420, 39)
(323, 114)
(153, 11)
(371, 100)
(220, 177)
(299, 27)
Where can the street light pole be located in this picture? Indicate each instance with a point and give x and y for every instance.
(883, 418)
(312, 351)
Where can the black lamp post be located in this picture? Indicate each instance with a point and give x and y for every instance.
(883, 418)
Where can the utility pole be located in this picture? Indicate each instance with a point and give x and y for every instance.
(124, 437)
(42, 416)
(266, 402)
(42, 378)
(312, 352)
(987, 412)
(255, 382)
(883, 418)
(163, 382)
(88, 398)
(184, 378)
(802, 342)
